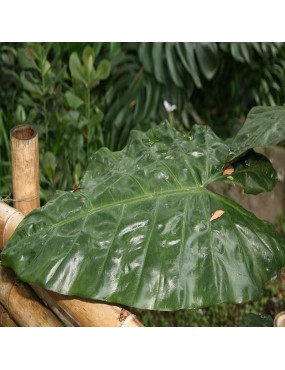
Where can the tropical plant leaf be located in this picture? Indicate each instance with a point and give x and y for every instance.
(171, 62)
(145, 55)
(140, 234)
(186, 52)
(207, 55)
(254, 173)
(264, 127)
(158, 61)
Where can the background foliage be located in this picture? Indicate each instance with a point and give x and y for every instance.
(82, 96)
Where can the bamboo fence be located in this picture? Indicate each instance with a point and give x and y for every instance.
(21, 304)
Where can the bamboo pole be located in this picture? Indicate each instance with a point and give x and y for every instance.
(25, 168)
(17, 297)
(71, 311)
(22, 303)
(279, 320)
(5, 318)
(94, 313)
(9, 220)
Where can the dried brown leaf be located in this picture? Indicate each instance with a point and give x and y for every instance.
(228, 171)
(217, 214)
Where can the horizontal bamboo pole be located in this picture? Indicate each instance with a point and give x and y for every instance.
(5, 318)
(93, 313)
(72, 311)
(22, 303)
(25, 168)
(9, 220)
(18, 298)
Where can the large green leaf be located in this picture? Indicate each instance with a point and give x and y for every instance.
(140, 234)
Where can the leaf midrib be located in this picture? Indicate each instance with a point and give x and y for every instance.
(128, 201)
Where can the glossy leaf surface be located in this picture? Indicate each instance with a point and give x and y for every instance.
(140, 234)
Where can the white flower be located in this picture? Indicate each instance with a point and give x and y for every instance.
(169, 107)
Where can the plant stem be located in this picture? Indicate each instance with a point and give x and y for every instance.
(46, 121)
(43, 97)
(171, 120)
(88, 122)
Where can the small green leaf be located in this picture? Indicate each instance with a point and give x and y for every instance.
(88, 53)
(26, 80)
(8, 55)
(73, 100)
(88, 60)
(76, 69)
(27, 58)
(97, 48)
(20, 113)
(49, 165)
(115, 48)
(257, 320)
(46, 67)
(103, 70)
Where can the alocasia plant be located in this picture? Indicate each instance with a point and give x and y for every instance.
(145, 232)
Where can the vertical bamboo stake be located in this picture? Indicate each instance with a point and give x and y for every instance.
(25, 168)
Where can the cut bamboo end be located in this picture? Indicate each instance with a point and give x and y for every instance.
(279, 320)
(22, 303)
(9, 220)
(25, 168)
(5, 318)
